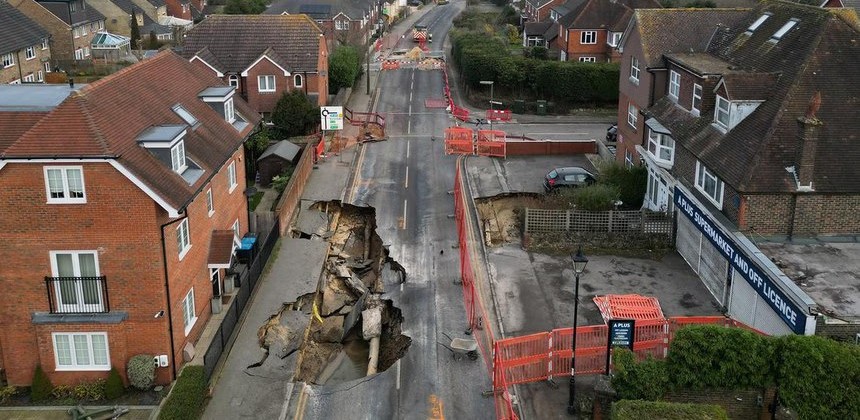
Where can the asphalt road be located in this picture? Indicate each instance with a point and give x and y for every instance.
(407, 179)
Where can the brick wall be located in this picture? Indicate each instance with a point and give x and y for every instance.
(24, 67)
(265, 101)
(739, 404)
(814, 214)
(631, 92)
(576, 49)
(121, 223)
(840, 332)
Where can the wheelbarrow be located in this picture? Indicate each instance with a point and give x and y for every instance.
(461, 346)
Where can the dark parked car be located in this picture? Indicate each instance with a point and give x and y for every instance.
(572, 176)
(612, 133)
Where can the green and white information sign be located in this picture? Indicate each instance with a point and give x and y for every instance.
(331, 118)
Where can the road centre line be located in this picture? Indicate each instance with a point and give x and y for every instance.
(407, 149)
(404, 213)
(397, 383)
(406, 183)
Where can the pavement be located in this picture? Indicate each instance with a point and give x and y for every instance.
(241, 391)
(61, 413)
(489, 177)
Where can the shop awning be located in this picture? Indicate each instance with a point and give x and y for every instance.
(221, 248)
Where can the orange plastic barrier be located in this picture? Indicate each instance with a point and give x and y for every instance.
(499, 114)
(491, 143)
(461, 114)
(458, 141)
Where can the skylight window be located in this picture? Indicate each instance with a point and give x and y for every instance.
(782, 31)
(185, 115)
(758, 22)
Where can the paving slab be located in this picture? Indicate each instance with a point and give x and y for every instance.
(489, 177)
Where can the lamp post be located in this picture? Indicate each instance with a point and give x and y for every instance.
(489, 82)
(579, 262)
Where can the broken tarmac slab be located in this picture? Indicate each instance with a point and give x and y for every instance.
(310, 220)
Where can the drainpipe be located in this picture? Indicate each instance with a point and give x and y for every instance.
(167, 292)
(20, 72)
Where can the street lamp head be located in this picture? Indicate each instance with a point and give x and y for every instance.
(579, 261)
(486, 82)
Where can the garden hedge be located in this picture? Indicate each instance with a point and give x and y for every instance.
(659, 410)
(185, 401)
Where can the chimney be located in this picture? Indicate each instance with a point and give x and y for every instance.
(71, 83)
(809, 131)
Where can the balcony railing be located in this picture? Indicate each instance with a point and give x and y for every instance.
(77, 295)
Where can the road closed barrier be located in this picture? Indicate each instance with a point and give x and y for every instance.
(499, 114)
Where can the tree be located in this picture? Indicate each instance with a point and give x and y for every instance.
(294, 115)
(135, 31)
(245, 7)
(254, 147)
(344, 65)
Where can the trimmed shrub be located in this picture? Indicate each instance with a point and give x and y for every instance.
(638, 410)
(819, 378)
(89, 391)
(41, 388)
(141, 371)
(710, 356)
(646, 380)
(7, 392)
(114, 387)
(186, 398)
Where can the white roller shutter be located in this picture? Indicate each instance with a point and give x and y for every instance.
(706, 260)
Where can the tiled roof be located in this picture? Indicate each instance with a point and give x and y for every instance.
(94, 15)
(239, 40)
(612, 15)
(15, 124)
(104, 119)
(17, 31)
(819, 55)
(537, 28)
(665, 31)
(749, 86)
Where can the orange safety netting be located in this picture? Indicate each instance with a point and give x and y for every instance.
(638, 307)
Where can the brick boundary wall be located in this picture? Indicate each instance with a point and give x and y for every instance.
(293, 193)
(739, 404)
(840, 332)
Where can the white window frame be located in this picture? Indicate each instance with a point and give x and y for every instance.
(341, 25)
(266, 83)
(696, 104)
(757, 23)
(30, 53)
(233, 80)
(83, 30)
(79, 54)
(74, 365)
(178, 162)
(614, 38)
(210, 203)
(588, 37)
(183, 238)
(674, 85)
(189, 311)
(236, 230)
(229, 111)
(86, 52)
(628, 158)
(30, 78)
(80, 306)
(231, 176)
(67, 190)
(703, 177)
(587, 59)
(783, 30)
(659, 144)
(632, 115)
(77, 32)
(634, 70)
(8, 60)
(47, 67)
(298, 81)
(718, 111)
(45, 44)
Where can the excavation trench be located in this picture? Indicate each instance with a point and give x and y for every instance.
(352, 332)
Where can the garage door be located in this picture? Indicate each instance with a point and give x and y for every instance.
(706, 260)
(747, 306)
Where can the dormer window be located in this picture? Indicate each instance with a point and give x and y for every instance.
(229, 112)
(709, 184)
(674, 85)
(722, 112)
(697, 99)
(782, 31)
(233, 80)
(661, 147)
(757, 23)
(177, 158)
(614, 38)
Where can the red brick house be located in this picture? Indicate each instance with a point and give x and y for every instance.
(651, 33)
(592, 30)
(117, 196)
(25, 56)
(539, 10)
(758, 123)
(262, 56)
